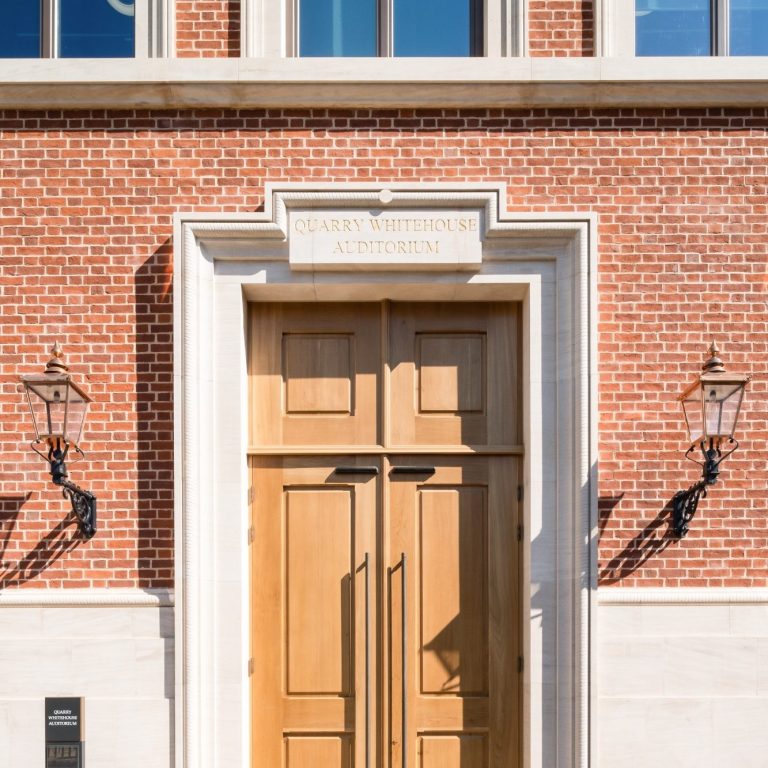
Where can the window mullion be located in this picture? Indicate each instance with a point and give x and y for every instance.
(144, 15)
(477, 42)
(386, 16)
(49, 32)
(723, 22)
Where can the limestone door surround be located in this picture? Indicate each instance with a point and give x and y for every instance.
(547, 262)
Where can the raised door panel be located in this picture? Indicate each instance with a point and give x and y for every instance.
(452, 540)
(314, 374)
(454, 378)
(454, 751)
(318, 557)
(455, 624)
(314, 751)
(312, 623)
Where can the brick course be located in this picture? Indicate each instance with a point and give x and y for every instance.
(207, 28)
(85, 227)
(561, 28)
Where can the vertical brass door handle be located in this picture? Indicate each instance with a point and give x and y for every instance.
(404, 648)
(367, 663)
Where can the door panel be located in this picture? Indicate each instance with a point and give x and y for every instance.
(455, 751)
(314, 751)
(319, 558)
(451, 540)
(454, 376)
(311, 595)
(457, 528)
(315, 374)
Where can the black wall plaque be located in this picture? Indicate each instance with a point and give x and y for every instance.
(63, 720)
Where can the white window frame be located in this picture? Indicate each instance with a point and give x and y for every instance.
(618, 27)
(153, 23)
(269, 28)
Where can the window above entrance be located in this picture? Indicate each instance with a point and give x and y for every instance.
(383, 28)
(390, 28)
(92, 29)
(689, 27)
(701, 28)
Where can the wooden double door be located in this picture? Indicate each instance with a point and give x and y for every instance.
(385, 616)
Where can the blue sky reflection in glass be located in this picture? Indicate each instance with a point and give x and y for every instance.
(432, 27)
(19, 29)
(749, 28)
(338, 28)
(673, 28)
(96, 29)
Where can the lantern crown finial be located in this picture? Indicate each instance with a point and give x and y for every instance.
(56, 364)
(713, 364)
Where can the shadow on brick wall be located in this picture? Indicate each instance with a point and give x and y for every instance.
(651, 541)
(587, 11)
(154, 407)
(56, 543)
(233, 28)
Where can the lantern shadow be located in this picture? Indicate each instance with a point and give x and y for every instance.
(651, 541)
(56, 543)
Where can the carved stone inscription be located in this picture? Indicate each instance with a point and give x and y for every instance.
(385, 239)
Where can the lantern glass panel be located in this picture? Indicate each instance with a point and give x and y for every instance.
(721, 407)
(693, 414)
(58, 408)
(75, 417)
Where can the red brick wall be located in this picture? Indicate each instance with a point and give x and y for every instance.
(207, 28)
(561, 28)
(87, 199)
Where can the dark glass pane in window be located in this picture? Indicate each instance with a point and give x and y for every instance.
(338, 28)
(749, 28)
(19, 29)
(96, 29)
(673, 28)
(433, 27)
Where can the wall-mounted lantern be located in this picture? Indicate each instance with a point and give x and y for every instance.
(711, 405)
(58, 406)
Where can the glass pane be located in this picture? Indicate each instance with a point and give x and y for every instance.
(433, 27)
(338, 28)
(96, 29)
(673, 28)
(48, 402)
(39, 415)
(749, 28)
(19, 29)
(75, 418)
(693, 416)
(721, 404)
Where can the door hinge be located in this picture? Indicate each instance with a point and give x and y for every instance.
(520, 532)
(250, 667)
(251, 535)
(250, 495)
(519, 492)
(520, 664)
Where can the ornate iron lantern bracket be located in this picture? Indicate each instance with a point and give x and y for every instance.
(685, 503)
(711, 405)
(58, 406)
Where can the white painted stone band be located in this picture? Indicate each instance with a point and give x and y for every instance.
(682, 596)
(76, 598)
